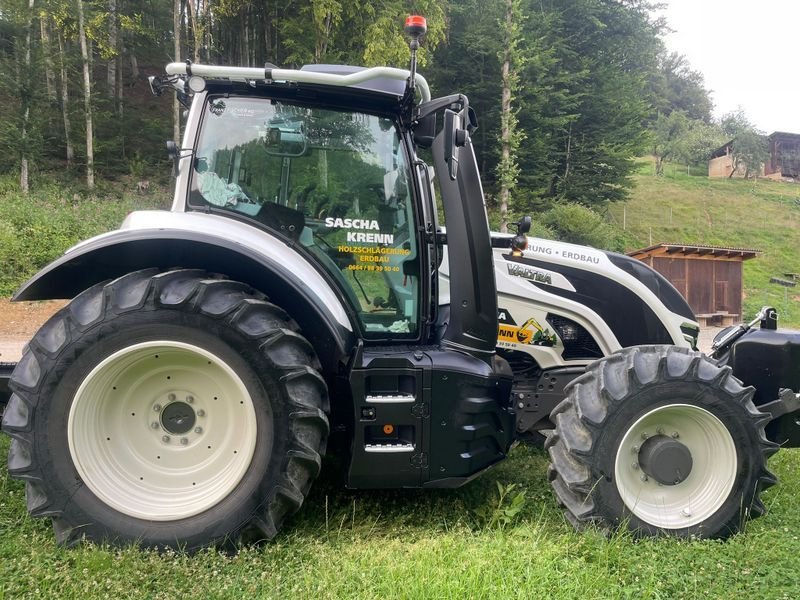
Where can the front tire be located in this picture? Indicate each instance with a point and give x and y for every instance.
(168, 409)
(662, 440)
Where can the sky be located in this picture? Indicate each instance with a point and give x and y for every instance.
(747, 52)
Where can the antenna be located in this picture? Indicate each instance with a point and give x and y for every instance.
(415, 27)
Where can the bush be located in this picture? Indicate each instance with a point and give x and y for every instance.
(38, 228)
(577, 224)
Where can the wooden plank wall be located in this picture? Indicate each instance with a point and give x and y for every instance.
(710, 286)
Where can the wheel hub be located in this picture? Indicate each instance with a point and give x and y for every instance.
(162, 430)
(665, 459)
(178, 418)
(683, 469)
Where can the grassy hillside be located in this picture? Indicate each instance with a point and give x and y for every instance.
(762, 214)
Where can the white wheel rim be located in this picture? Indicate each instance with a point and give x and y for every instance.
(129, 460)
(703, 492)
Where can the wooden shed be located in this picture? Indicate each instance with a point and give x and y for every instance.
(709, 277)
(784, 155)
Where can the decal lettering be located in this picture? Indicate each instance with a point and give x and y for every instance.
(529, 273)
(503, 316)
(371, 238)
(372, 258)
(531, 334)
(361, 236)
(352, 223)
(581, 257)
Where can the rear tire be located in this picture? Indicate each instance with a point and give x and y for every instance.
(167, 409)
(662, 440)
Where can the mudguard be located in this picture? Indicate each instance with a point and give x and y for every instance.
(217, 244)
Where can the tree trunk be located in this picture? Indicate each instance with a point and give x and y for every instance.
(176, 107)
(245, 44)
(208, 38)
(197, 32)
(25, 86)
(268, 39)
(135, 74)
(113, 34)
(507, 161)
(47, 52)
(65, 100)
(120, 100)
(87, 98)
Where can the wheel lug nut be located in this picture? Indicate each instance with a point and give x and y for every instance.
(660, 430)
(644, 435)
(635, 449)
(154, 425)
(644, 477)
(184, 441)
(190, 399)
(635, 466)
(675, 435)
(686, 512)
(165, 439)
(198, 430)
(201, 413)
(171, 397)
(157, 407)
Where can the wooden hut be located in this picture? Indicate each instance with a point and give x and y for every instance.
(709, 277)
(784, 155)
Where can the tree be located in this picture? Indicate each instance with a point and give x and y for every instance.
(750, 150)
(699, 140)
(510, 136)
(176, 106)
(87, 97)
(676, 86)
(668, 133)
(26, 88)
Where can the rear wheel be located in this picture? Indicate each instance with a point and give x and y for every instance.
(663, 440)
(167, 409)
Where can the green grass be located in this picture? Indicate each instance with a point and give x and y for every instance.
(37, 228)
(760, 214)
(421, 544)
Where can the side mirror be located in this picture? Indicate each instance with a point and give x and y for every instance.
(524, 225)
(155, 85)
(425, 131)
(454, 138)
(174, 156)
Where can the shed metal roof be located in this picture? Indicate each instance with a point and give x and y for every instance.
(696, 250)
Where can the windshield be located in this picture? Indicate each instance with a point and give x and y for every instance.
(335, 182)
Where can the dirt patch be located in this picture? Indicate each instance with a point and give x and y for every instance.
(20, 320)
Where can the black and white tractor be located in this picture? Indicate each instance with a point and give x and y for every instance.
(300, 292)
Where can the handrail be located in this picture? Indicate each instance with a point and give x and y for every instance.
(294, 75)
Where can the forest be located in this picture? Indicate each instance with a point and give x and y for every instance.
(568, 92)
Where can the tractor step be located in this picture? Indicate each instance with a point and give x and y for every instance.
(389, 448)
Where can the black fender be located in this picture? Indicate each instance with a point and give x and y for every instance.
(112, 255)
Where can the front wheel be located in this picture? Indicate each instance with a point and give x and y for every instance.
(167, 409)
(662, 440)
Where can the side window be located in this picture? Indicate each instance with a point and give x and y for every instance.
(336, 182)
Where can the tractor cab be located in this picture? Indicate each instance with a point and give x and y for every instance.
(335, 183)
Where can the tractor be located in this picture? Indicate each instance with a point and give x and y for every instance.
(301, 295)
